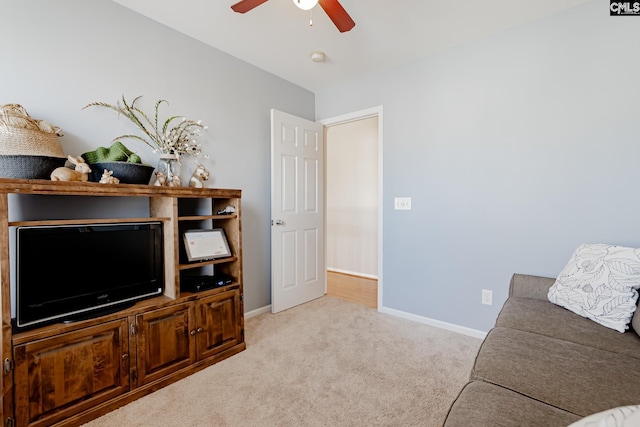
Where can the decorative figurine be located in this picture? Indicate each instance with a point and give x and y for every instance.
(107, 178)
(175, 181)
(81, 172)
(161, 179)
(199, 176)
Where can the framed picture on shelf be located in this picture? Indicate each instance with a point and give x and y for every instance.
(203, 245)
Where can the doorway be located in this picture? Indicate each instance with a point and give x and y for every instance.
(353, 207)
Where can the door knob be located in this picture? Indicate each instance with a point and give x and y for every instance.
(279, 222)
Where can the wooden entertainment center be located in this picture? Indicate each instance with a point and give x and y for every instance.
(66, 374)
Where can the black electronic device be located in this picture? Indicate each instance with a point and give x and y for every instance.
(69, 271)
(201, 283)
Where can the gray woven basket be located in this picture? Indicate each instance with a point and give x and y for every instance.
(28, 167)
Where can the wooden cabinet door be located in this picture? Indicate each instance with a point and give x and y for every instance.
(219, 323)
(164, 341)
(65, 374)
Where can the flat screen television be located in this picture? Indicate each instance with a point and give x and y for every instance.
(66, 272)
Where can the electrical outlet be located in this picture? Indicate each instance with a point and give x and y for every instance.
(487, 297)
(402, 203)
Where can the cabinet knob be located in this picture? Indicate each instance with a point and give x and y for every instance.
(125, 356)
(199, 330)
(192, 332)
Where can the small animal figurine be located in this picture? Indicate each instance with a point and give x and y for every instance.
(199, 176)
(161, 179)
(174, 181)
(108, 178)
(81, 172)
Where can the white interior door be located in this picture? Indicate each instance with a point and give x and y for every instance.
(298, 271)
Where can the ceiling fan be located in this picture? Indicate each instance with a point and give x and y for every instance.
(333, 9)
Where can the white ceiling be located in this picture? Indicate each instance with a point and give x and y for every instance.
(276, 35)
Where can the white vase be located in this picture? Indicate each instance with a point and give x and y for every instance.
(169, 171)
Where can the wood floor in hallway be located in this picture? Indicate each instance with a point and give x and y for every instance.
(356, 289)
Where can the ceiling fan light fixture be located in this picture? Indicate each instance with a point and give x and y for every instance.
(305, 4)
(332, 8)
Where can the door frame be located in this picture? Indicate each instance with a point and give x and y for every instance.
(346, 118)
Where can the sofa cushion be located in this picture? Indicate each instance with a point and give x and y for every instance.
(529, 286)
(542, 317)
(600, 282)
(482, 404)
(573, 377)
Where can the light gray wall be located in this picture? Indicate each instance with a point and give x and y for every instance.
(58, 56)
(515, 149)
(352, 197)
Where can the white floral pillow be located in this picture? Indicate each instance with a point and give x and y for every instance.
(624, 416)
(600, 282)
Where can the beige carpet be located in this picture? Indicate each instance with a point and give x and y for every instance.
(324, 363)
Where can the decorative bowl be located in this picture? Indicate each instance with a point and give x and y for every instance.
(29, 167)
(126, 172)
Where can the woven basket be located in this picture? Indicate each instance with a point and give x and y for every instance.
(30, 142)
(29, 148)
(29, 167)
(22, 134)
(127, 173)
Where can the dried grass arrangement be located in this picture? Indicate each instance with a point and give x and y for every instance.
(175, 135)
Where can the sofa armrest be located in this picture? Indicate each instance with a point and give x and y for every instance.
(527, 286)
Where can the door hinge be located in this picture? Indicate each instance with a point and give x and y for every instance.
(134, 329)
(9, 422)
(8, 365)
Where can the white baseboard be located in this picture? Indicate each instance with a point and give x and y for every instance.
(353, 273)
(436, 323)
(257, 311)
(402, 314)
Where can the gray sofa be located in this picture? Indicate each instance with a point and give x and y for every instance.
(542, 365)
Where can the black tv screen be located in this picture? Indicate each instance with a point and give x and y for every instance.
(68, 271)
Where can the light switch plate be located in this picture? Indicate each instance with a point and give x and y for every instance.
(402, 203)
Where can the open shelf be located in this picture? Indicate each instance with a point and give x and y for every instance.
(207, 217)
(208, 262)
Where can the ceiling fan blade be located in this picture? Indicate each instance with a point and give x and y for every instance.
(338, 15)
(246, 5)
